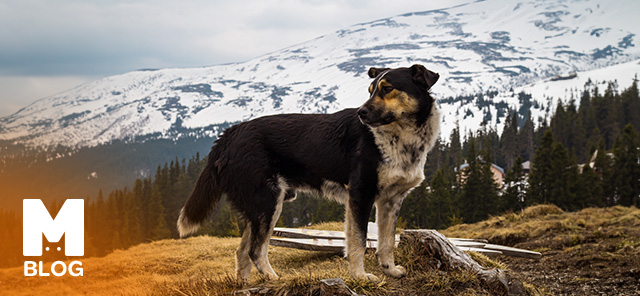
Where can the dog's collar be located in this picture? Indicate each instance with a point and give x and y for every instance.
(375, 87)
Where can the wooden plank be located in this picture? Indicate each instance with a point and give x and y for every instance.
(333, 241)
(481, 251)
(315, 244)
(331, 245)
(312, 233)
(468, 244)
(515, 252)
(372, 234)
(479, 240)
(327, 234)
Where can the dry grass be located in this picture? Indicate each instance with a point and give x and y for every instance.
(205, 265)
(546, 227)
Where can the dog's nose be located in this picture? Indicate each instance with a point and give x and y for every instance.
(363, 112)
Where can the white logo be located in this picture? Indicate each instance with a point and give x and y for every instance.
(37, 221)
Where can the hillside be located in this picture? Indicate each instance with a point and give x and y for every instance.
(490, 56)
(594, 251)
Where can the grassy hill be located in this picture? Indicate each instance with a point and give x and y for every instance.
(593, 251)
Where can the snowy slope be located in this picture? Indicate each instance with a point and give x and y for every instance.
(545, 93)
(477, 47)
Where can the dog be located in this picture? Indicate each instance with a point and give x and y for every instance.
(372, 155)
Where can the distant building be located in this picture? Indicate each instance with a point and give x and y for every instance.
(498, 173)
(526, 167)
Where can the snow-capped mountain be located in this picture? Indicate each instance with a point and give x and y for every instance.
(493, 45)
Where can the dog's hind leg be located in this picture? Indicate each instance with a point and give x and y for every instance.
(243, 261)
(386, 217)
(261, 230)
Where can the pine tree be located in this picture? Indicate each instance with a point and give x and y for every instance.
(158, 228)
(562, 175)
(603, 167)
(559, 124)
(114, 224)
(133, 213)
(515, 188)
(479, 192)
(589, 188)
(455, 149)
(630, 101)
(627, 167)
(540, 176)
(439, 202)
(508, 145)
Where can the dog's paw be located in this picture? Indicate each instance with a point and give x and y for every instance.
(270, 276)
(370, 277)
(367, 277)
(395, 271)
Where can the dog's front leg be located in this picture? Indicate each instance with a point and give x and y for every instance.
(357, 216)
(386, 217)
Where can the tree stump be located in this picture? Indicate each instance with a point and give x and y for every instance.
(452, 258)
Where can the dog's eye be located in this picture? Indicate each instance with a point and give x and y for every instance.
(387, 89)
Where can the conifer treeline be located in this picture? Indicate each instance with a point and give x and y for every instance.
(583, 156)
(605, 122)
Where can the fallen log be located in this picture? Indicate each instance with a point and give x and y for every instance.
(450, 257)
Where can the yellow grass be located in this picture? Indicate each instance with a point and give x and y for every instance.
(147, 269)
(205, 265)
(551, 223)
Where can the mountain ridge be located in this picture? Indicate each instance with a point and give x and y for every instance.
(481, 46)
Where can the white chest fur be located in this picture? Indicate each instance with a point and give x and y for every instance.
(404, 154)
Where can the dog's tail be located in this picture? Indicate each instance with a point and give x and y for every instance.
(203, 200)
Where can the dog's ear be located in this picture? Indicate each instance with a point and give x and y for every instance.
(423, 76)
(374, 72)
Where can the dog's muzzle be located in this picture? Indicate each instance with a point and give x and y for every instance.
(373, 118)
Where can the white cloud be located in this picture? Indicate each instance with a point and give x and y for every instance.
(20, 91)
(99, 38)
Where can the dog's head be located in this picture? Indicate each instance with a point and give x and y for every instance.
(398, 96)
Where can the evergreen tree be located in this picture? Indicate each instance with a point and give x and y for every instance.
(562, 175)
(515, 188)
(158, 228)
(453, 155)
(114, 224)
(479, 197)
(508, 145)
(525, 140)
(132, 212)
(540, 176)
(559, 124)
(603, 166)
(630, 104)
(440, 202)
(589, 188)
(627, 167)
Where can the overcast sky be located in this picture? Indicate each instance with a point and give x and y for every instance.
(49, 46)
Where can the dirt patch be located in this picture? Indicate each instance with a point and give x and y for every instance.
(592, 252)
(586, 270)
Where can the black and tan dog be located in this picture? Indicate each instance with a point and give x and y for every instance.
(362, 157)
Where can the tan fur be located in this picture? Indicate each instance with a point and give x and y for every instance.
(243, 261)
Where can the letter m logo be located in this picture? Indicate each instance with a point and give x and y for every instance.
(37, 221)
